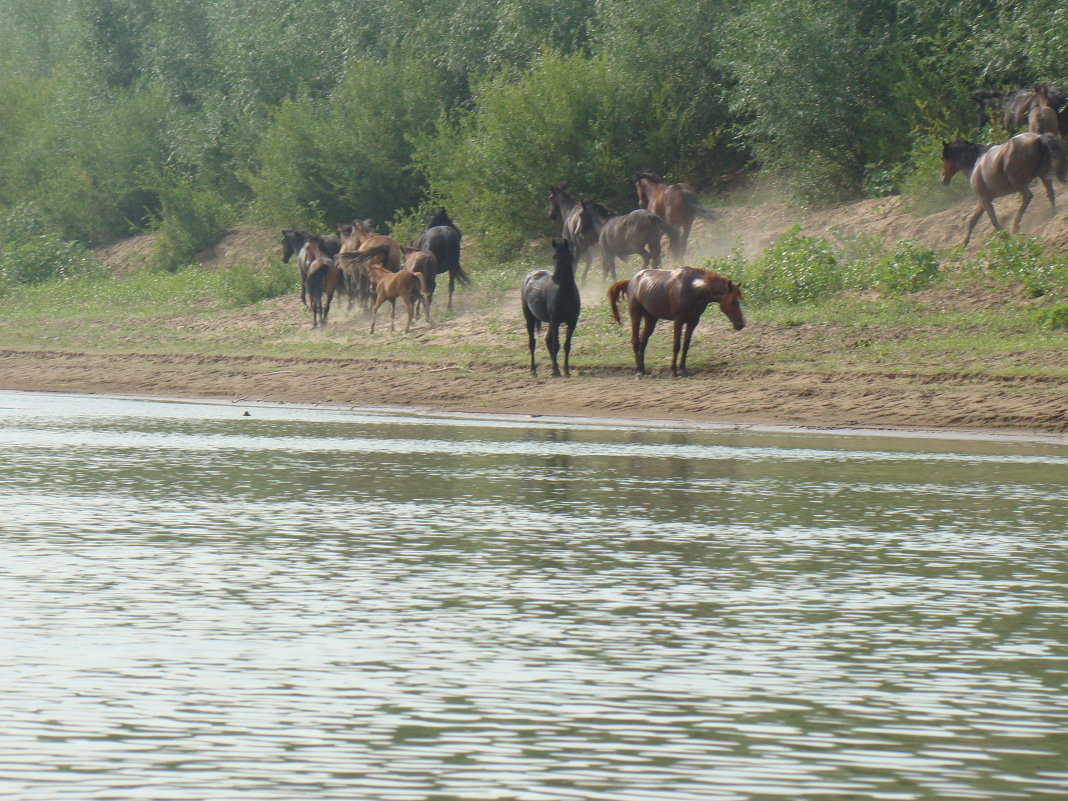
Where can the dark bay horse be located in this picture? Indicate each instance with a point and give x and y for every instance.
(553, 299)
(581, 230)
(321, 279)
(442, 238)
(677, 204)
(996, 170)
(293, 241)
(637, 233)
(680, 296)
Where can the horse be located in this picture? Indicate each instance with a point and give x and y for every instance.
(553, 299)
(358, 237)
(321, 278)
(680, 296)
(405, 285)
(293, 241)
(677, 204)
(578, 228)
(425, 263)
(637, 232)
(1043, 118)
(442, 238)
(1003, 169)
(1018, 105)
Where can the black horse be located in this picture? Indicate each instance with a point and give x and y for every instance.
(553, 298)
(442, 238)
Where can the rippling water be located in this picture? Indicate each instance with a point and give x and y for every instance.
(319, 604)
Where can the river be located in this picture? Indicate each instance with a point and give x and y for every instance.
(310, 603)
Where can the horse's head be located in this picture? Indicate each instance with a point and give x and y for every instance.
(731, 305)
(556, 195)
(960, 156)
(291, 243)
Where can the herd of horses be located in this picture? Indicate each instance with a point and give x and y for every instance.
(372, 269)
(1009, 168)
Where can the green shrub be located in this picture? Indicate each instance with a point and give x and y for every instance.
(191, 219)
(1023, 259)
(909, 268)
(1052, 318)
(42, 258)
(794, 269)
(245, 284)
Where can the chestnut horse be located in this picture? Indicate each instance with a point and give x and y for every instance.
(996, 170)
(425, 263)
(404, 285)
(1018, 105)
(678, 204)
(680, 296)
(321, 279)
(1042, 118)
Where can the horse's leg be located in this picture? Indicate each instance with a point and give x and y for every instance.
(452, 285)
(392, 314)
(1027, 195)
(975, 218)
(686, 346)
(411, 307)
(587, 256)
(675, 346)
(552, 342)
(640, 341)
(374, 314)
(655, 255)
(1048, 183)
(609, 265)
(532, 324)
(567, 349)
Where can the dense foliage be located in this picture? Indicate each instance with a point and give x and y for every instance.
(122, 115)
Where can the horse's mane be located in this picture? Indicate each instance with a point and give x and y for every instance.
(600, 208)
(440, 217)
(649, 175)
(966, 152)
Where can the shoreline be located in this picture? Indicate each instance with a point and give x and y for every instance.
(535, 418)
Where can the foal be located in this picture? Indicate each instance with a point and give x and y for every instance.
(553, 299)
(405, 285)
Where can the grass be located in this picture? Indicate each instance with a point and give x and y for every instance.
(965, 321)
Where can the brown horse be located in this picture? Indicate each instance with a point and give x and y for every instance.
(1018, 105)
(1042, 118)
(425, 263)
(321, 279)
(293, 241)
(636, 233)
(1004, 169)
(680, 296)
(678, 204)
(359, 237)
(403, 285)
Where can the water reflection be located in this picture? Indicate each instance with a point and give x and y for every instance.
(319, 604)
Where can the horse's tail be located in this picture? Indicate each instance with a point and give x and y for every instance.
(1058, 159)
(678, 247)
(615, 292)
(693, 202)
(376, 252)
